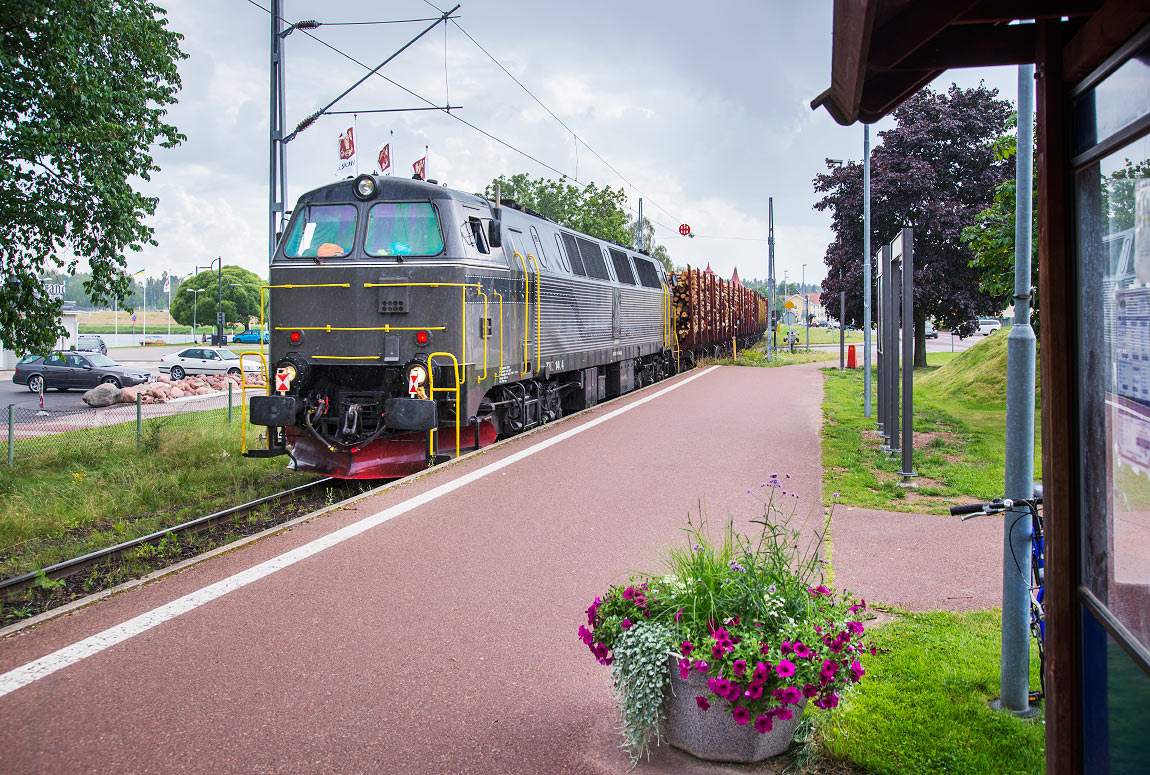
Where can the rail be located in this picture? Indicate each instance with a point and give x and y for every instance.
(526, 309)
(538, 315)
(244, 393)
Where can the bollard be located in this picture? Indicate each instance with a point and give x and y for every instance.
(229, 403)
(852, 361)
(11, 434)
(139, 419)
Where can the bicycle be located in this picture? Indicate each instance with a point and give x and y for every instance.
(1037, 566)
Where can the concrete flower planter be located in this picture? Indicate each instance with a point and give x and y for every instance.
(712, 734)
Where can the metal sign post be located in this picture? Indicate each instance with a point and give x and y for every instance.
(892, 264)
(880, 346)
(906, 249)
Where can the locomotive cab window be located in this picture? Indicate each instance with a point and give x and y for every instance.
(403, 229)
(322, 231)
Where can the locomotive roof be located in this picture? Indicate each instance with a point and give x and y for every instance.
(390, 188)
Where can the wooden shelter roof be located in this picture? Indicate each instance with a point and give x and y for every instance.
(884, 51)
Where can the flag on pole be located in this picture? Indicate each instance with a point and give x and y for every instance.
(383, 158)
(167, 283)
(346, 165)
(419, 167)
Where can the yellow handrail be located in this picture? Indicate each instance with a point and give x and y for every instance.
(526, 308)
(538, 316)
(244, 396)
(499, 296)
(483, 333)
(432, 388)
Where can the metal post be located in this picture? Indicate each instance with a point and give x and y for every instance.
(907, 472)
(639, 227)
(892, 348)
(772, 344)
(220, 302)
(277, 161)
(11, 434)
(806, 311)
(139, 418)
(1020, 346)
(866, 272)
(881, 356)
(842, 329)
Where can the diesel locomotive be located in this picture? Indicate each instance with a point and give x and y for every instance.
(410, 322)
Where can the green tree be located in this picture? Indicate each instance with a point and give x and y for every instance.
(83, 90)
(599, 212)
(239, 300)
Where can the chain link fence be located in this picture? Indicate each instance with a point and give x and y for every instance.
(31, 430)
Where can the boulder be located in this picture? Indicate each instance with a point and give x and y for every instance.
(163, 378)
(204, 391)
(128, 395)
(176, 393)
(103, 395)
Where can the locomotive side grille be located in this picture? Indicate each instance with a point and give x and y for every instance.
(622, 267)
(648, 276)
(394, 300)
(573, 254)
(593, 259)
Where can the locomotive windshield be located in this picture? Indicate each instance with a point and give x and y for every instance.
(322, 231)
(403, 229)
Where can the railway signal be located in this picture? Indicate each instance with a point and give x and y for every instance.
(685, 230)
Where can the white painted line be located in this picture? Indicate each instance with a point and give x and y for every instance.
(70, 655)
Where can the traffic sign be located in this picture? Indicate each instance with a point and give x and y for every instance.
(283, 381)
(789, 305)
(133, 318)
(789, 319)
(684, 230)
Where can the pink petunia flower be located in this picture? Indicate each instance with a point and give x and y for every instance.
(702, 703)
(740, 714)
(625, 624)
(785, 668)
(686, 648)
(740, 667)
(783, 714)
(763, 724)
(684, 668)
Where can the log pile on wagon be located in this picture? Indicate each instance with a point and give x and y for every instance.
(710, 311)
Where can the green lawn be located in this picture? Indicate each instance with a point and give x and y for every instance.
(960, 435)
(923, 708)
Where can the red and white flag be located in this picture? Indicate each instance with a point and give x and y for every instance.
(383, 158)
(420, 168)
(167, 283)
(347, 165)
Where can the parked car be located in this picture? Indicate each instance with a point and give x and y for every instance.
(929, 331)
(987, 326)
(251, 336)
(205, 360)
(149, 339)
(91, 343)
(67, 370)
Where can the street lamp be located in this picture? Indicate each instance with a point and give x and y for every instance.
(219, 264)
(195, 297)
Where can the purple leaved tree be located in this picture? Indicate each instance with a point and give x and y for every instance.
(935, 172)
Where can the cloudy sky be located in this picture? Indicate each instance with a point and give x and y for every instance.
(701, 109)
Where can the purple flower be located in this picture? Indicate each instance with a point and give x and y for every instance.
(600, 651)
(754, 691)
(774, 476)
(761, 671)
(740, 667)
(855, 628)
(834, 495)
(785, 668)
(785, 647)
(701, 666)
(790, 695)
(763, 724)
(702, 703)
(685, 648)
(741, 715)
(698, 548)
(788, 476)
(717, 651)
(678, 615)
(684, 668)
(783, 714)
(626, 625)
(585, 635)
(629, 593)
(802, 650)
(810, 690)
(857, 671)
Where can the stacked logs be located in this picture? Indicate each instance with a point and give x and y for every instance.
(711, 311)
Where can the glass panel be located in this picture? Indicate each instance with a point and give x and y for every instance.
(405, 229)
(1114, 373)
(1121, 99)
(1116, 704)
(322, 231)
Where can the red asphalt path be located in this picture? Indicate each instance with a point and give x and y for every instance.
(444, 640)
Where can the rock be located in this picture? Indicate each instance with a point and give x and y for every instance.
(103, 395)
(164, 378)
(176, 393)
(128, 395)
(203, 391)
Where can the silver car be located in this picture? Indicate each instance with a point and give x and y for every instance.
(205, 360)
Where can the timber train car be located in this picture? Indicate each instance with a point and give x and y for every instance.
(410, 322)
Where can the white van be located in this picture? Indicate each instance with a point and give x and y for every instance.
(987, 326)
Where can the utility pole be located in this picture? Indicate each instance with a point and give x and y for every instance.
(277, 156)
(772, 345)
(639, 227)
(866, 272)
(1020, 346)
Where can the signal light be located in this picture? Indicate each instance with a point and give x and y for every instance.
(421, 337)
(295, 337)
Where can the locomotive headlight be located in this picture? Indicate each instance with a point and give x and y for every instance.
(416, 374)
(364, 186)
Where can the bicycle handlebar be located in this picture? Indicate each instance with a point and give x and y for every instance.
(970, 508)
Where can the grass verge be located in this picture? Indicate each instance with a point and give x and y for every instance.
(923, 705)
(960, 435)
(91, 490)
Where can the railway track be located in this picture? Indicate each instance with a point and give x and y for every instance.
(18, 585)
